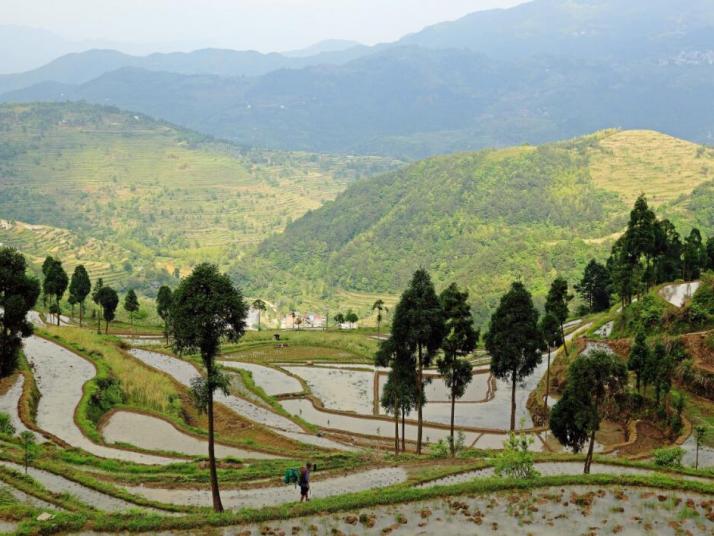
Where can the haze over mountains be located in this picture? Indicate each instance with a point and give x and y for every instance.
(545, 70)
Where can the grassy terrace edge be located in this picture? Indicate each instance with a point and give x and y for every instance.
(65, 521)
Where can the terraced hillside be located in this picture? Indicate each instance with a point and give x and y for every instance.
(165, 196)
(487, 218)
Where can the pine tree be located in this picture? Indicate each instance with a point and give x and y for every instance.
(461, 339)
(639, 358)
(593, 380)
(418, 329)
(79, 288)
(514, 341)
(131, 305)
(556, 304)
(164, 300)
(206, 309)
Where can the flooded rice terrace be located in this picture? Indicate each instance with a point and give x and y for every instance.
(551, 511)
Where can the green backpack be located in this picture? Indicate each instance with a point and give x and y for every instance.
(291, 476)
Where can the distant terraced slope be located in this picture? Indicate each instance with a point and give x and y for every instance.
(163, 195)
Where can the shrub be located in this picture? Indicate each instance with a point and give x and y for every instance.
(6, 427)
(440, 449)
(669, 457)
(516, 461)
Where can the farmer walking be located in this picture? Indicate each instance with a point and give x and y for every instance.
(304, 482)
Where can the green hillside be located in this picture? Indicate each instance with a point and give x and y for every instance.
(163, 196)
(487, 218)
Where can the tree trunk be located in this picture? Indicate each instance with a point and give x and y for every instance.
(453, 408)
(258, 319)
(396, 429)
(547, 381)
(106, 327)
(420, 388)
(637, 375)
(513, 402)
(589, 456)
(58, 312)
(404, 418)
(99, 323)
(696, 457)
(166, 331)
(81, 313)
(215, 493)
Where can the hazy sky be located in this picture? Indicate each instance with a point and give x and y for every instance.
(264, 25)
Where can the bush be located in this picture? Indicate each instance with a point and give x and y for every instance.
(440, 449)
(669, 457)
(516, 461)
(6, 427)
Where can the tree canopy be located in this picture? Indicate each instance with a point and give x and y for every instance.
(18, 295)
(514, 340)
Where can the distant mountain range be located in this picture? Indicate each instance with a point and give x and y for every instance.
(541, 71)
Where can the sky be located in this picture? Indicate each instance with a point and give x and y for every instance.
(264, 25)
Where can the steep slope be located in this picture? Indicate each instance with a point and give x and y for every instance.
(168, 196)
(486, 218)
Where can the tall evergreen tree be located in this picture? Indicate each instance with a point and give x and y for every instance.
(418, 329)
(641, 236)
(694, 255)
(131, 305)
(514, 341)
(593, 380)
(461, 339)
(398, 396)
(639, 357)
(710, 254)
(556, 304)
(18, 295)
(55, 284)
(206, 309)
(164, 300)
(552, 336)
(98, 285)
(668, 249)
(594, 287)
(661, 370)
(79, 288)
(108, 300)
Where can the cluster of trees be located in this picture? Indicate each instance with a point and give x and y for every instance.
(55, 284)
(350, 317)
(651, 251)
(653, 366)
(427, 327)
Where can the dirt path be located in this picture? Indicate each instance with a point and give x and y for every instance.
(259, 497)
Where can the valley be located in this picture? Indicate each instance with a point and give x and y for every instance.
(437, 272)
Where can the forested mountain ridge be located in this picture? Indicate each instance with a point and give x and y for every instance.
(539, 72)
(487, 218)
(167, 197)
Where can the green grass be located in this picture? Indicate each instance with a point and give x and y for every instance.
(331, 345)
